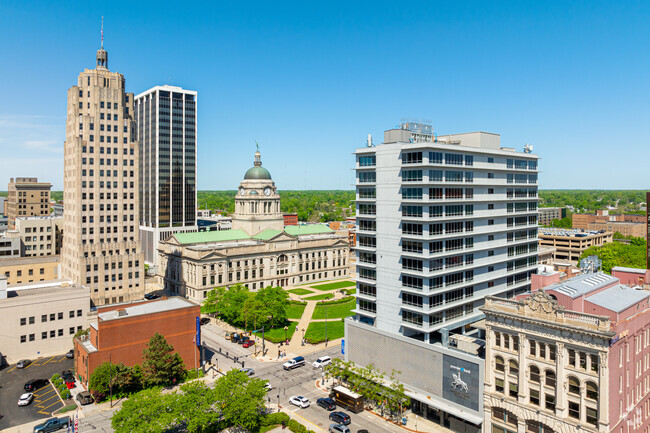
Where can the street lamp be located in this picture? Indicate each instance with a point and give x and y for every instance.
(326, 325)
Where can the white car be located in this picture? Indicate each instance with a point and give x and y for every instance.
(267, 386)
(322, 362)
(299, 401)
(25, 399)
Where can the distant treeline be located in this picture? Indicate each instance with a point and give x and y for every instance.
(588, 201)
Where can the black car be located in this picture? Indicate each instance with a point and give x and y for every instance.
(340, 417)
(205, 321)
(243, 339)
(326, 403)
(35, 384)
(70, 354)
(363, 431)
(151, 296)
(67, 376)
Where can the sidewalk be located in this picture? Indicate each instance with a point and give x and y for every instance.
(414, 423)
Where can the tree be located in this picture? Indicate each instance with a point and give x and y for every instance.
(274, 302)
(231, 303)
(100, 378)
(241, 399)
(618, 254)
(197, 407)
(149, 411)
(116, 378)
(161, 366)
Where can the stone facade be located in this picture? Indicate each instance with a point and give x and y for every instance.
(27, 197)
(546, 367)
(101, 248)
(41, 236)
(30, 269)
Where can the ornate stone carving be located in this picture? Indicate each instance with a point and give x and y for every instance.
(540, 301)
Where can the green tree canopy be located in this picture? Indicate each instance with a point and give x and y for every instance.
(161, 366)
(612, 254)
(241, 398)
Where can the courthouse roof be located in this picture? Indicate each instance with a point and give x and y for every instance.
(267, 234)
(212, 236)
(311, 229)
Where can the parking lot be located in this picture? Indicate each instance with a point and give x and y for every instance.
(12, 381)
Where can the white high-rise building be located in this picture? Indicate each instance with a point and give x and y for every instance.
(442, 222)
(166, 131)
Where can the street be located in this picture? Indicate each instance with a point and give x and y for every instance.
(300, 381)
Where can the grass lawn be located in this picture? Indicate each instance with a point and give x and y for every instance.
(334, 286)
(294, 311)
(300, 291)
(319, 297)
(350, 291)
(276, 335)
(334, 311)
(316, 331)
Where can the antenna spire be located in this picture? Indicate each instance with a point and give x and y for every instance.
(102, 32)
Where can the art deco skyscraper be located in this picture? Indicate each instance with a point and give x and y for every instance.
(101, 246)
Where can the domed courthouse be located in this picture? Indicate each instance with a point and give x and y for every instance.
(259, 251)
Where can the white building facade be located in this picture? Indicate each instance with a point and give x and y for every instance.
(166, 123)
(441, 224)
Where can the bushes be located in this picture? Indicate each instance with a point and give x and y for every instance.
(296, 427)
(65, 394)
(98, 396)
(274, 419)
(55, 377)
(68, 408)
(338, 301)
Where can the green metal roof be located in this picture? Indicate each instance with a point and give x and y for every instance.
(267, 234)
(310, 229)
(257, 172)
(214, 236)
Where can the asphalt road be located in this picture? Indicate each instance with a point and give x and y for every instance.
(12, 381)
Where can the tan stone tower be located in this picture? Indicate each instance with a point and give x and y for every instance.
(101, 247)
(257, 203)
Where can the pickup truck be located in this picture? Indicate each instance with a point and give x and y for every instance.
(52, 424)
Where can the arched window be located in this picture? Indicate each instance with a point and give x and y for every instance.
(499, 364)
(513, 367)
(534, 374)
(592, 391)
(550, 378)
(282, 258)
(574, 386)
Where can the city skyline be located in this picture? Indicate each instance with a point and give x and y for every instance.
(309, 83)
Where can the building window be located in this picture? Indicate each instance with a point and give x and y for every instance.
(23, 339)
(574, 386)
(592, 416)
(550, 378)
(23, 321)
(499, 364)
(550, 402)
(534, 374)
(499, 385)
(513, 367)
(534, 397)
(574, 410)
(592, 391)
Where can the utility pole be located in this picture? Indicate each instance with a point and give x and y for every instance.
(262, 341)
(110, 378)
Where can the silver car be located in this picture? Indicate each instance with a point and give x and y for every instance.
(338, 428)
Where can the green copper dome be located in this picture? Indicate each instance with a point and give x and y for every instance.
(257, 171)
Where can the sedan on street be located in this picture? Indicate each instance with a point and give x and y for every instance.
(338, 428)
(25, 399)
(340, 418)
(299, 401)
(23, 363)
(326, 403)
(248, 371)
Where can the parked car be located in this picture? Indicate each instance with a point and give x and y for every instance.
(296, 362)
(338, 428)
(67, 374)
(299, 401)
(23, 363)
(248, 343)
(322, 362)
(25, 399)
(363, 430)
(70, 354)
(243, 339)
(268, 386)
(205, 320)
(150, 296)
(84, 397)
(248, 371)
(52, 424)
(340, 418)
(34, 384)
(326, 403)
(230, 335)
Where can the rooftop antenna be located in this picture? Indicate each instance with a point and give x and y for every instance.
(102, 32)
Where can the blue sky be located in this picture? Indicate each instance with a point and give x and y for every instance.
(309, 81)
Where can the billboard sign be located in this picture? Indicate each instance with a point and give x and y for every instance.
(460, 382)
(198, 331)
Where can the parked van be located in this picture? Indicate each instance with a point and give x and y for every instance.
(296, 362)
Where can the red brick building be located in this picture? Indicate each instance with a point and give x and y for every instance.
(631, 276)
(123, 331)
(290, 219)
